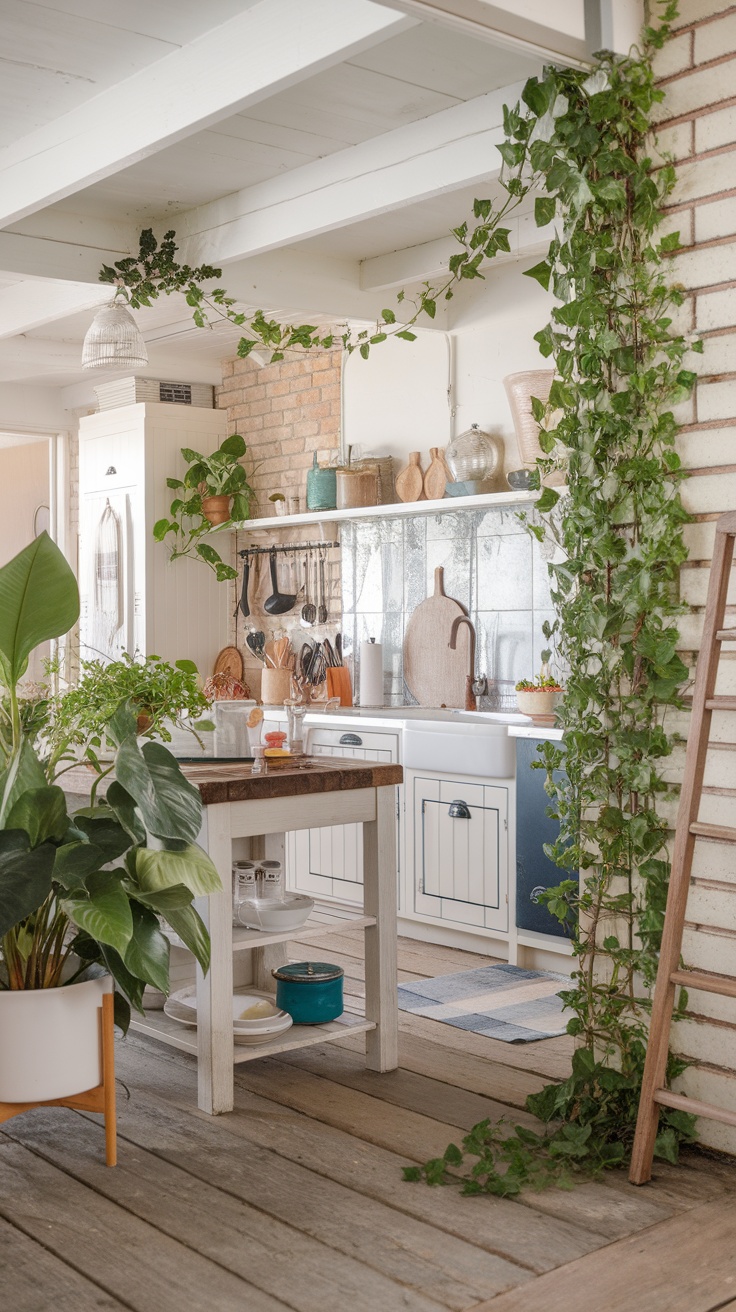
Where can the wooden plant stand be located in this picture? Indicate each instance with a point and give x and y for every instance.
(99, 1099)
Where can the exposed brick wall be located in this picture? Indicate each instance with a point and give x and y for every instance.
(285, 412)
(697, 69)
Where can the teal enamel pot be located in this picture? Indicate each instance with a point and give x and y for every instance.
(311, 991)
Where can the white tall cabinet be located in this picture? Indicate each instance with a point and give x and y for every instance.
(174, 610)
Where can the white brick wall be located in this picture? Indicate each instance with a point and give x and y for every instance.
(698, 122)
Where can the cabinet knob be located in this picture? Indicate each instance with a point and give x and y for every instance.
(459, 810)
(351, 740)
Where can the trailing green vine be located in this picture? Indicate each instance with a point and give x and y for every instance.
(609, 423)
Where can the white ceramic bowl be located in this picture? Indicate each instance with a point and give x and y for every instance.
(275, 917)
(182, 1006)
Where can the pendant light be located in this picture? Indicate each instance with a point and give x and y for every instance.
(114, 340)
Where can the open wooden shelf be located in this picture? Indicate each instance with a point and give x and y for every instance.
(485, 501)
(157, 1025)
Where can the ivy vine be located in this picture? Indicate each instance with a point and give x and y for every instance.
(587, 141)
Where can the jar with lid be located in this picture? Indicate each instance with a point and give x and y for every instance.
(245, 885)
(474, 456)
(270, 881)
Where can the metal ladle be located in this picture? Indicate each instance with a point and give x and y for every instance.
(279, 602)
(322, 611)
(309, 610)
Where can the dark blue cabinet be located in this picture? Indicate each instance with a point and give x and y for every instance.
(534, 870)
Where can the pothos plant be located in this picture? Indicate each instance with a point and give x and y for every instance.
(218, 475)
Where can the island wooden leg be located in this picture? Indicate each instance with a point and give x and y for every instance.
(380, 878)
(215, 989)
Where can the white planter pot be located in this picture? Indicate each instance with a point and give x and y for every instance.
(50, 1041)
(537, 702)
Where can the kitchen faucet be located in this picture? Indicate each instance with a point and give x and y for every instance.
(473, 687)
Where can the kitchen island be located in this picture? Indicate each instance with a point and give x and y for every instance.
(239, 805)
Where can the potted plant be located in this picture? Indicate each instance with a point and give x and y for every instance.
(81, 891)
(214, 490)
(278, 500)
(159, 694)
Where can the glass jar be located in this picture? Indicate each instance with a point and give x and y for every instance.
(474, 456)
(245, 885)
(295, 712)
(270, 881)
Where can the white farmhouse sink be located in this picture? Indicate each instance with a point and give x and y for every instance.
(472, 744)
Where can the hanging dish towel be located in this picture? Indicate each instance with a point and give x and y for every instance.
(107, 566)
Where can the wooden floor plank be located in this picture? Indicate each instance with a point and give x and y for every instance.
(425, 959)
(34, 1280)
(685, 1264)
(110, 1247)
(538, 1243)
(462, 1069)
(233, 1232)
(437, 1099)
(440, 1269)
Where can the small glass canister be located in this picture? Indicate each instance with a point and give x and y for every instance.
(245, 885)
(270, 881)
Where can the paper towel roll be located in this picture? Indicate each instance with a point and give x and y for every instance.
(371, 674)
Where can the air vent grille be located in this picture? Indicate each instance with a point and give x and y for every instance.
(176, 393)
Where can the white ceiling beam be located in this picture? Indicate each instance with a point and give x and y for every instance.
(545, 31)
(454, 148)
(35, 302)
(431, 259)
(270, 46)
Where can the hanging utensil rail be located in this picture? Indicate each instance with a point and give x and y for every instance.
(288, 548)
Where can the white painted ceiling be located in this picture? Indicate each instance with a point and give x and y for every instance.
(56, 55)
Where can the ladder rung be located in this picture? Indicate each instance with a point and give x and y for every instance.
(726, 635)
(706, 983)
(722, 833)
(666, 1098)
(721, 704)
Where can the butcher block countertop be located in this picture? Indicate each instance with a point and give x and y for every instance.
(223, 781)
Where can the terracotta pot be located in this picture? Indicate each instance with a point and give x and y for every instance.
(216, 509)
(50, 1041)
(143, 722)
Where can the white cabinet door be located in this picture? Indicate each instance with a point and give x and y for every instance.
(460, 848)
(329, 862)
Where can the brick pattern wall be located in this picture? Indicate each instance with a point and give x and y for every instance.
(697, 69)
(285, 412)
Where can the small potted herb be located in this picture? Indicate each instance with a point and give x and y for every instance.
(278, 501)
(538, 697)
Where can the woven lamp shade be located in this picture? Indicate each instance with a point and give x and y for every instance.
(113, 340)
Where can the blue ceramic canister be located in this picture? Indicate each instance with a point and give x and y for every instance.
(311, 991)
(321, 487)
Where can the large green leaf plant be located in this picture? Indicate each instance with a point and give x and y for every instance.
(84, 889)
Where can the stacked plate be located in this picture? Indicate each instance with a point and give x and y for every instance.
(256, 1018)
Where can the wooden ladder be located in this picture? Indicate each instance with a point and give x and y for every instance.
(689, 828)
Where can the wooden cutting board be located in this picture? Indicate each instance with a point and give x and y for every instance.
(434, 674)
(410, 482)
(435, 479)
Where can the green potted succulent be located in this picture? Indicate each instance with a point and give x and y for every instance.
(81, 891)
(160, 695)
(214, 490)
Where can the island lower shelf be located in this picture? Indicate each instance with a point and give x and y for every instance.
(159, 1026)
